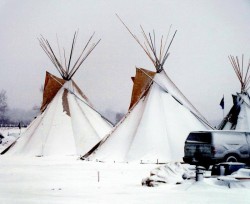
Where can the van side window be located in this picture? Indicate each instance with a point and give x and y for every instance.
(199, 137)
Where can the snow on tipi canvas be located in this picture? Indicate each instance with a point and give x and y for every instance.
(68, 124)
(158, 121)
(238, 117)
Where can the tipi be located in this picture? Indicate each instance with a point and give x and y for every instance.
(238, 117)
(68, 124)
(158, 121)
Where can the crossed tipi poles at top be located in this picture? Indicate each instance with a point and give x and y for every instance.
(64, 66)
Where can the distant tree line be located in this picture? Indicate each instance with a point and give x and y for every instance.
(14, 117)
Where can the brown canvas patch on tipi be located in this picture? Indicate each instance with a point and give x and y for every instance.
(65, 102)
(51, 87)
(141, 83)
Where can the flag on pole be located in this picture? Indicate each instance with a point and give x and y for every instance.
(222, 103)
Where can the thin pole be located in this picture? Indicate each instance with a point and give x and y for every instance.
(223, 109)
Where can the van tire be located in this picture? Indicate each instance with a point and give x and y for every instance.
(231, 158)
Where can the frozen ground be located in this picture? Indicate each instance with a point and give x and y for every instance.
(69, 180)
(10, 131)
(46, 180)
(10, 136)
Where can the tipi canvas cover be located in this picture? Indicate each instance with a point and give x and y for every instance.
(238, 117)
(154, 129)
(159, 119)
(67, 125)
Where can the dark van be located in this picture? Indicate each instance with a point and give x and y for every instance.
(211, 147)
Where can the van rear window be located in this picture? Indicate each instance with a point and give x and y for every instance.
(203, 137)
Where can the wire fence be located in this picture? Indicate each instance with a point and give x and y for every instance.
(12, 125)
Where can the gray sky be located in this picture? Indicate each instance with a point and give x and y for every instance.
(208, 31)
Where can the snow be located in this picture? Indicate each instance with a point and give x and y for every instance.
(170, 173)
(70, 180)
(67, 179)
(11, 131)
(242, 173)
(10, 136)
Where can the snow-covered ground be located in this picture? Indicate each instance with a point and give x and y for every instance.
(10, 131)
(67, 179)
(10, 135)
(70, 180)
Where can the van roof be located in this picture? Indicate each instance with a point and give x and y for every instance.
(220, 131)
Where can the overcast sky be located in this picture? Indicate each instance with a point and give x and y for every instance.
(208, 31)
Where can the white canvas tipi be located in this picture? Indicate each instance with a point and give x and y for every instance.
(68, 124)
(238, 117)
(158, 121)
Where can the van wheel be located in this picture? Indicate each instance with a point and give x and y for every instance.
(231, 158)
